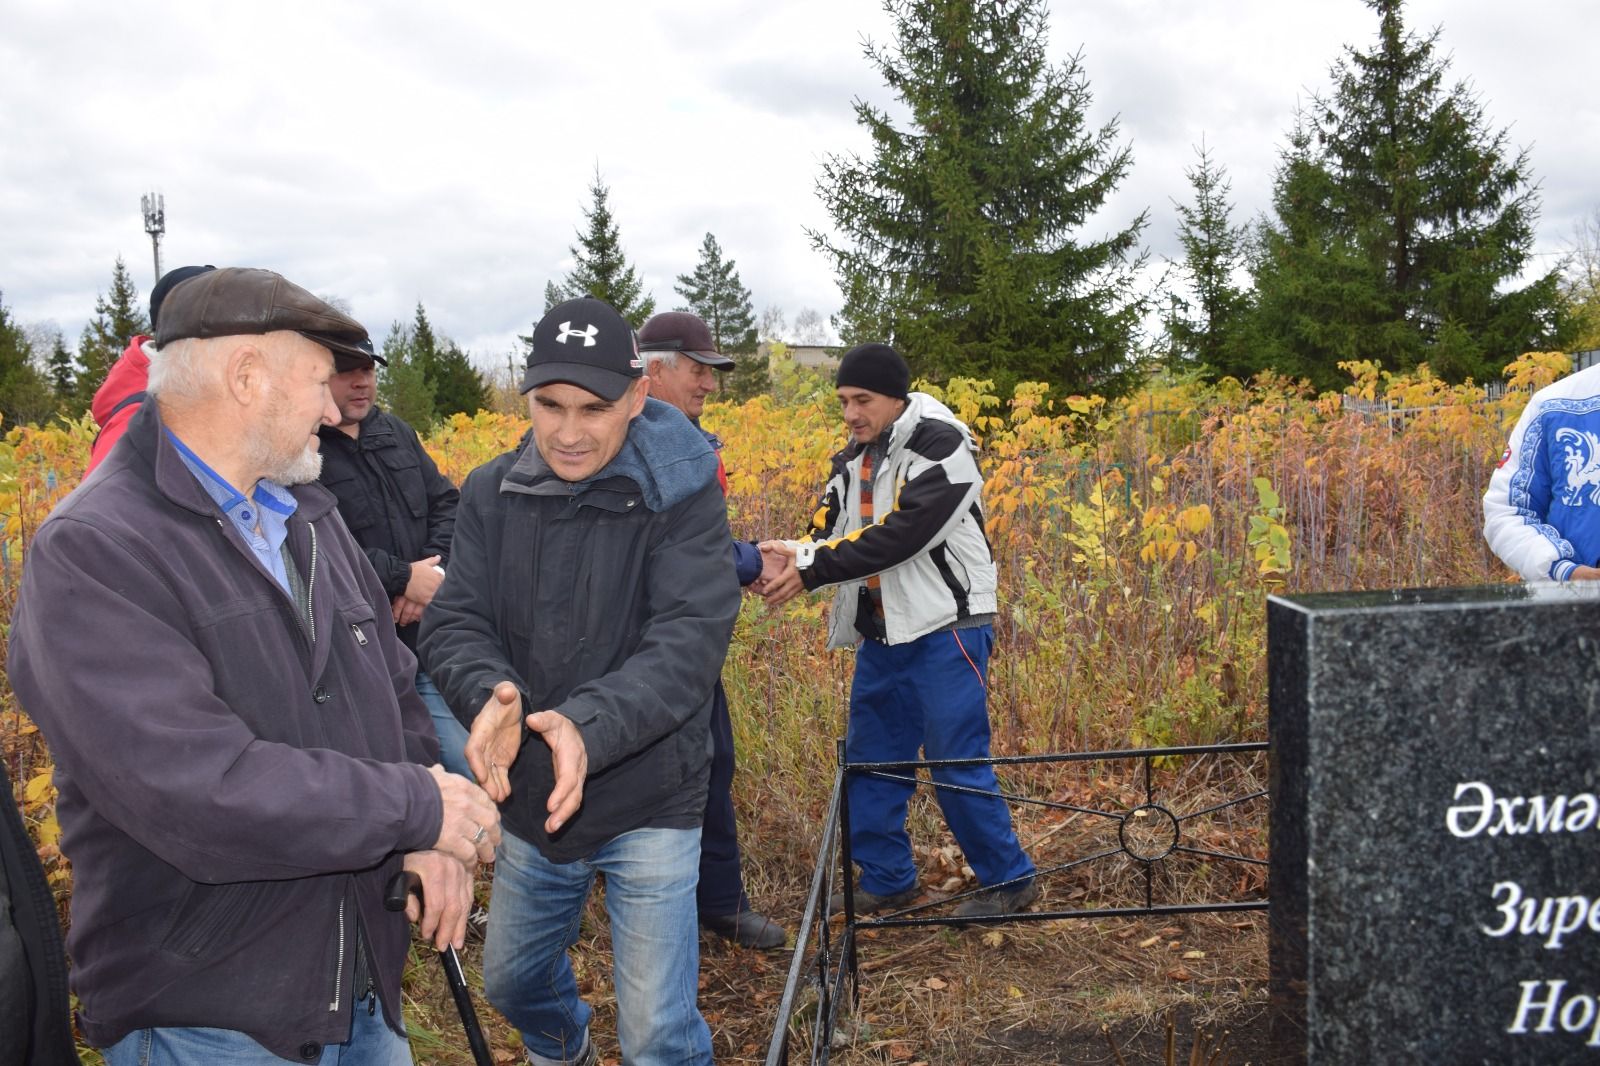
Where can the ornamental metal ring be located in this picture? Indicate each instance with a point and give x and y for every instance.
(1149, 832)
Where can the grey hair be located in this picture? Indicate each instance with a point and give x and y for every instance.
(180, 369)
(665, 358)
(190, 367)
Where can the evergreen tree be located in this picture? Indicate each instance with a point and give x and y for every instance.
(458, 388)
(457, 385)
(960, 235)
(403, 386)
(715, 293)
(62, 379)
(1213, 249)
(25, 396)
(118, 318)
(1401, 219)
(602, 270)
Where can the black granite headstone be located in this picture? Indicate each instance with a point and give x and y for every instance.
(1435, 826)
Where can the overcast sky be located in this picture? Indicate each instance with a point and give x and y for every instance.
(395, 152)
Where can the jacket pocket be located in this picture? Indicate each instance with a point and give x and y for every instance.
(212, 914)
(355, 501)
(360, 719)
(405, 473)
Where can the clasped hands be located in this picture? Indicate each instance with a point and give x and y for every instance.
(780, 580)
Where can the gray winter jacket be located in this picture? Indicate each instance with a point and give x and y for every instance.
(236, 782)
(926, 543)
(611, 601)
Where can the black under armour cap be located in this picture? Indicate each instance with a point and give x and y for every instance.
(584, 342)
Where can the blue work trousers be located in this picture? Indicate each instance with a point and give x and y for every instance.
(930, 694)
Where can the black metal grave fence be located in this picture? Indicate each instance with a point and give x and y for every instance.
(822, 981)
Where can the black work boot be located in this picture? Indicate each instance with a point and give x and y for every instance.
(748, 929)
(872, 903)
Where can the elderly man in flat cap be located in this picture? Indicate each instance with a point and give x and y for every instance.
(681, 360)
(241, 758)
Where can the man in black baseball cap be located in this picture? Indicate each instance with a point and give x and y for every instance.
(591, 583)
(584, 342)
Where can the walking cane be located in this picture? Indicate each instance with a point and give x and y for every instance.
(400, 887)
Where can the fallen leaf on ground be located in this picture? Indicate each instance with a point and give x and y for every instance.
(1149, 941)
(1194, 954)
(935, 984)
(994, 938)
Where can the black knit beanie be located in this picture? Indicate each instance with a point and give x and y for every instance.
(876, 368)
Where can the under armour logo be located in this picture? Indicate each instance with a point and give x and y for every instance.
(588, 333)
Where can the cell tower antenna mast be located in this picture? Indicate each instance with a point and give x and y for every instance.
(155, 224)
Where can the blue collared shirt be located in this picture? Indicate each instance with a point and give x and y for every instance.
(262, 520)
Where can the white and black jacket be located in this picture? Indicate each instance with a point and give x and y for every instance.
(926, 543)
(1541, 513)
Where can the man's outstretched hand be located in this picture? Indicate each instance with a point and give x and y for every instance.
(495, 739)
(571, 759)
(780, 581)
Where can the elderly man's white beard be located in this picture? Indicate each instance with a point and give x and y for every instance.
(303, 468)
(278, 464)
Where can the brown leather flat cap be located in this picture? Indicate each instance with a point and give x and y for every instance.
(243, 301)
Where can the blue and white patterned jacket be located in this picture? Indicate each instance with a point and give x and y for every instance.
(1541, 513)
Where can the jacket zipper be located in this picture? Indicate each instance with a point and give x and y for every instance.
(338, 973)
(311, 586)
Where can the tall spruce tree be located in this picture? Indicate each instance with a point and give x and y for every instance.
(453, 384)
(960, 237)
(602, 269)
(25, 395)
(1401, 220)
(458, 387)
(1206, 332)
(715, 293)
(403, 385)
(62, 379)
(118, 318)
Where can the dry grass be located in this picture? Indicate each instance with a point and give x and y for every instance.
(992, 994)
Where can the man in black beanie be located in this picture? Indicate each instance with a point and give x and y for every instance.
(900, 535)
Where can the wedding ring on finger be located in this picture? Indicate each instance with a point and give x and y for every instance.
(477, 838)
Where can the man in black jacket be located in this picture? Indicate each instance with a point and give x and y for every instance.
(401, 511)
(35, 1024)
(592, 584)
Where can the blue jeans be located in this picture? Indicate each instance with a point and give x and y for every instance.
(533, 922)
(930, 693)
(452, 734)
(371, 1043)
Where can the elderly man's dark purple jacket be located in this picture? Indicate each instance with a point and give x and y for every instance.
(236, 785)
